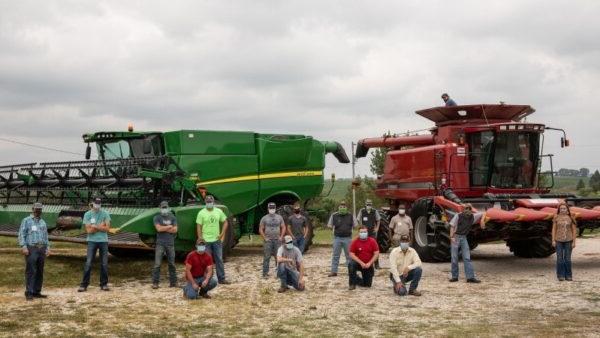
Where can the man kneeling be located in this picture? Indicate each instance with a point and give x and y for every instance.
(405, 267)
(199, 273)
(364, 251)
(290, 269)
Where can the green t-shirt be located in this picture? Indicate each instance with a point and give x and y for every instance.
(96, 218)
(211, 221)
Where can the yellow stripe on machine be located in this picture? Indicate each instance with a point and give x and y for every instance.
(264, 176)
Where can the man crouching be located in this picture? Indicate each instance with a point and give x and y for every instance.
(199, 273)
(290, 268)
(405, 267)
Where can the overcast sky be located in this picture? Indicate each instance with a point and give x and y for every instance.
(336, 70)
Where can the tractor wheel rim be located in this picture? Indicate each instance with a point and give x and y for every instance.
(421, 231)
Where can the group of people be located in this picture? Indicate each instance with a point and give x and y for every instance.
(282, 239)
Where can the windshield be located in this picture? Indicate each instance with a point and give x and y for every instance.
(138, 147)
(113, 150)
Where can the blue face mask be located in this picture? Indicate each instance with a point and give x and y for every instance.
(200, 248)
(289, 245)
(363, 235)
(404, 246)
(164, 211)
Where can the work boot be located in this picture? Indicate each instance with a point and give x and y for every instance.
(104, 288)
(173, 285)
(473, 280)
(282, 289)
(332, 274)
(155, 286)
(205, 296)
(352, 287)
(224, 282)
(569, 279)
(452, 280)
(82, 289)
(28, 297)
(39, 295)
(561, 279)
(414, 293)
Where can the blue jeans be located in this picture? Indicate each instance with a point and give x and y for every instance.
(461, 241)
(92, 247)
(159, 252)
(34, 270)
(340, 243)
(299, 242)
(215, 249)
(288, 276)
(563, 259)
(413, 277)
(190, 293)
(270, 247)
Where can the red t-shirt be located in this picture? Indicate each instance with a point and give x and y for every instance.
(364, 250)
(199, 263)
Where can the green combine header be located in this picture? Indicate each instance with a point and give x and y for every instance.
(135, 171)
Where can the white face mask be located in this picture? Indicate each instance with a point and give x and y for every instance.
(96, 206)
(289, 245)
(164, 211)
(401, 212)
(200, 248)
(271, 211)
(210, 205)
(363, 235)
(404, 246)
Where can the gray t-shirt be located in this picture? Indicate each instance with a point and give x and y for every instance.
(165, 238)
(297, 223)
(294, 254)
(272, 225)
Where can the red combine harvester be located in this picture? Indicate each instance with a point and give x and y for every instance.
(486, 155)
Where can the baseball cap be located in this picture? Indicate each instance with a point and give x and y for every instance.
(97, 200)
(368, 201)
(37, 205)
(287, 239)
(209, 199)
(271, 205)
(164, 204)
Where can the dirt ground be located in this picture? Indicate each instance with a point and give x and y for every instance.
(518, 297)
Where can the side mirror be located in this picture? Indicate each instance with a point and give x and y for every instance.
(564, 142)
(88, 152)
(147, 147)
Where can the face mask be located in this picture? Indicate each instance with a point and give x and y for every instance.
(363, 235)
(271, 211)
(95, 206)
(200, 248)
(296, 211)
(164, 211)
(343, 210)
(369, 207)
(210, 205)
(401, 212)
(468, 212)
(289, 245)
(404, 246)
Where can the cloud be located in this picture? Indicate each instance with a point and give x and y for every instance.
(339, 70)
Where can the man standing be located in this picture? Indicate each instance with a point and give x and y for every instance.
(460, 226)
(449, 102)
(290, 268)
(370, 218)
(298, 228)
(272, 229)
(33, 240)
(363, 251)
(166, 230)
(199, 273)
(405, 267)
(342, 223)
(97, 225)
(401, 225)
(208, 228)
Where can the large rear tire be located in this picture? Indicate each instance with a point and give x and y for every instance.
(540, 247)
(431, 235)
(384, 239)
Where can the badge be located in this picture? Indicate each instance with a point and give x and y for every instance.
(34, 228)
(167, 222)
(93, 220)
(365, 218)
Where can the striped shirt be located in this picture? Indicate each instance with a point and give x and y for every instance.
(33, 232)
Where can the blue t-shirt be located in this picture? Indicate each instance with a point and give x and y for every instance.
(95, 218)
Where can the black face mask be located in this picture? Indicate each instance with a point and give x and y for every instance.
(37, 213)
(296, 211)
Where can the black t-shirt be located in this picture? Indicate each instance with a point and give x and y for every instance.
(297, 224)
(165, 238)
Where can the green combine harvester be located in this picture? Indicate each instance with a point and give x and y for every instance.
(136, 170)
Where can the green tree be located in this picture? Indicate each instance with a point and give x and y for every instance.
(580, 184)
(378, 160)
(594, 182)
(364, 190)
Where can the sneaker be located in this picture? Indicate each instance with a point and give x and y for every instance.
(452, 280)
(561, 279)
(332, 274)
(265, 276)
(39, 295)
(351, 287)
(473, 280)
(155, 286)
(173, 285)
(104, 288)
(569, 279)
(224, 282)
(414, 293)
(82, 289)
(282, 289)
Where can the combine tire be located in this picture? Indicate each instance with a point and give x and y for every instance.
(230, 241)
(286, 211)
(384, 239)
(431, 236)
(540, 247)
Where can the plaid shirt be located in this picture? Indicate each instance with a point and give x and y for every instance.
(33, 232)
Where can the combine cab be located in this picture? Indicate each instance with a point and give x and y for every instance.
(135, 171)
(486, 155)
